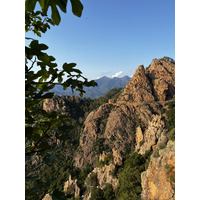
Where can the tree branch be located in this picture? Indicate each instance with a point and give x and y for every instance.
(33, 62)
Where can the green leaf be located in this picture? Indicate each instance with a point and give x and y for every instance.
(60, 79)
(73, 84)
(71, 65)
(48, 95)
(77, 7)
(34, 45)
(93, 83)
(27, 38)
(51, 58)
(44, 4)
(77, 71)
(67, 68)
(43, 47)
(38, 33)
(28, 53)
(62, 4)
(30, 5)
(67, 83)
(38, 47)
(55, 14)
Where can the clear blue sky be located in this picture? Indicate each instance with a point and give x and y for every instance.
(113, 36)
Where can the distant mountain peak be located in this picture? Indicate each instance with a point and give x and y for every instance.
(155, 83)
(100, 77)
(105, 84)
(105, 77)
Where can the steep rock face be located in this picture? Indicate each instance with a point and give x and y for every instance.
(103, 156)
(157, 83)
(104, 176)
(58, 104)
(117, 129)
(139, 138)
(119, 132)
(134, 120)
(93, 128)
(115, 123)
(158, 179)
(72, 188)
(117, 156)
(139, 89)
(111, 125)
(162, 74)
(155, 134)
(52, 104)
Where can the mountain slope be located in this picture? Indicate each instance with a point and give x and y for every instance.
(134, 122)
(105, 84)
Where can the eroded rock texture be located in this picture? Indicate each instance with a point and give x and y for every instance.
(47, 197)
(104, 176)
(116, 124)
(158, 179)
(155, 134)
(72, 188)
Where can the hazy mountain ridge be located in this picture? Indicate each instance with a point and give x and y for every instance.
(105, 84)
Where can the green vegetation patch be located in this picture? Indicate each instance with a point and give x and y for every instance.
(107, 160)
(106, 194)
(171, 135)
(99, 146)
(129, 186)
(170, 173)
(91, 180)
(162, 146)
(97, 194)
(170, 113)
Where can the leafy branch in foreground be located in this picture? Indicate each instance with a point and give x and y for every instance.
(39, 123)
(44, 129)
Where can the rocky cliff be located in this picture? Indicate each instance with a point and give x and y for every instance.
(61, 104)
(158, 181)
(116, 123)
(72, 188)
(135, 120)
